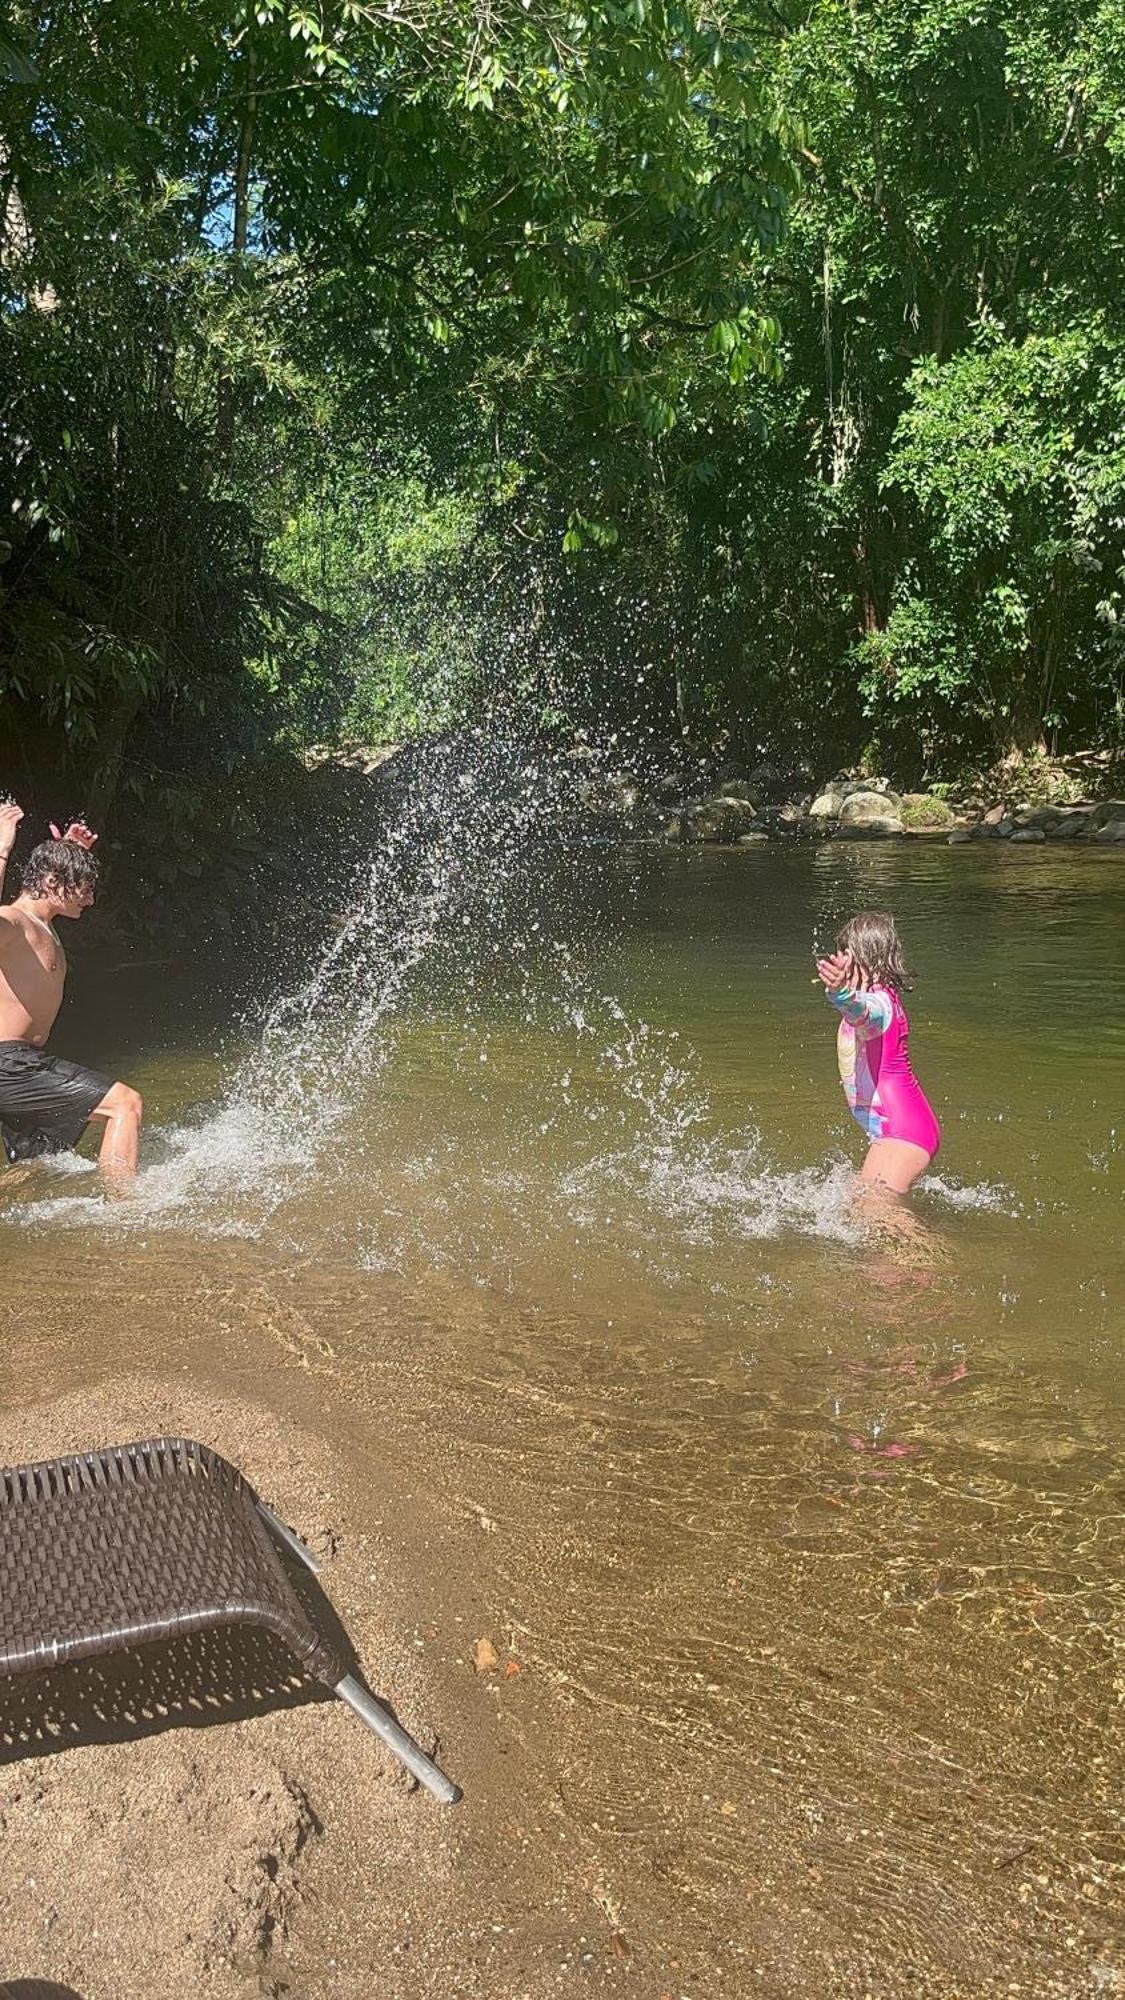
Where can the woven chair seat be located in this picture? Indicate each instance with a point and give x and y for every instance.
(108, 1550)
(141, 1542)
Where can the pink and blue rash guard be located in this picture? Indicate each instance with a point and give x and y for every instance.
(883, 1093)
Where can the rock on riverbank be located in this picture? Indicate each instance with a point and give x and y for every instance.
(637, 786)
(849, 808)
(1102, 823)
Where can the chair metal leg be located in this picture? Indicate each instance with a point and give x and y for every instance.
(286, 1535)
(395, 1737)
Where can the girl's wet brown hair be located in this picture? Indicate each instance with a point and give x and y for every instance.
(873, 941)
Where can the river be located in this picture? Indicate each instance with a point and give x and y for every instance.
(804, 1542)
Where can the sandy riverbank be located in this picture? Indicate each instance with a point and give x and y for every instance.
(181, 1821)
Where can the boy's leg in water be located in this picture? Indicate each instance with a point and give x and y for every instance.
(122, 1109)
(893, 1164)
(15, 1176)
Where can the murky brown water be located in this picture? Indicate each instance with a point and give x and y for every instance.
(809, 1545)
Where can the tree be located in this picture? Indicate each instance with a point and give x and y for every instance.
(216, 214)
(1010, 611)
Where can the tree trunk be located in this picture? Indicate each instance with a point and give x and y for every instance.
(17, 243)
(869, 618)
(1021, 732)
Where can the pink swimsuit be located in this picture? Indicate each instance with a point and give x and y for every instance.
(883, 1093)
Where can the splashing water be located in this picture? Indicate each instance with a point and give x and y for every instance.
(992, 1196)
(469, 924)
(460, 904)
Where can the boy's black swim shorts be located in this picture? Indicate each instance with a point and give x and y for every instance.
(45, 1101)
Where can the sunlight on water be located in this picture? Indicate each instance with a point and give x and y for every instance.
(494, 1069)
(453, 1085)
(451, 911)
(545, 1169)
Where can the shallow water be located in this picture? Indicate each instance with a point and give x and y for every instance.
(820, 1517)
(649, 1119)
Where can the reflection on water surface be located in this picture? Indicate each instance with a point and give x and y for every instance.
(808, 1522)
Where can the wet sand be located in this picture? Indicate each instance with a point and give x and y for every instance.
(772, 1716)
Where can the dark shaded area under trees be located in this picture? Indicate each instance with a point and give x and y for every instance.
(367, 370)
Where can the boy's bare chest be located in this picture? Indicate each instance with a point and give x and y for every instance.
(47, 950)
(38, 970)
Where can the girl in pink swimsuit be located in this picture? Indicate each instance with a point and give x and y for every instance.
(863, 981)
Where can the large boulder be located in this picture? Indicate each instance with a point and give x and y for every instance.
(878, 787)
(874, 812)
(1107, 813)
(1028, 836)
(1111, 833)
(721, 821)
(1071, 826)
(827, 803)
(1046, 818)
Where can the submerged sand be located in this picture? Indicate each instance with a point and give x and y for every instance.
(729, 1742)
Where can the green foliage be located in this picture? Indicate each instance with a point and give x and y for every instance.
(913, 666)
(366, 368)
(130, 583)
(919, 527)
(1012, 453)
(252, 247)
(926, 814)
(393, 648)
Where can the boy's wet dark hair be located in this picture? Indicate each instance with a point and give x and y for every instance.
(58, 864)
(873, 941)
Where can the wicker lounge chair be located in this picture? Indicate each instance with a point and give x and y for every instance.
(106, 1550)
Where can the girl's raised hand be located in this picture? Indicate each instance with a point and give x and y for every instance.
(837, 971)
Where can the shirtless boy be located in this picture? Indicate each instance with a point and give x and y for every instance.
(46, 1103)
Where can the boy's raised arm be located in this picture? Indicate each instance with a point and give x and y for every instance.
(10, 817)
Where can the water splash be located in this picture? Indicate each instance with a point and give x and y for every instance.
(566, 1118)
(991, 1196)
(461, 905)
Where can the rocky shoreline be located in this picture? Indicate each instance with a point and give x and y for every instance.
(742, 814)
(644, 788)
